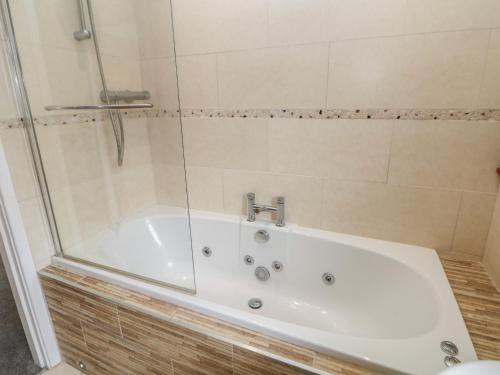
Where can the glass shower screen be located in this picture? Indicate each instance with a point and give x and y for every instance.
(101, 80)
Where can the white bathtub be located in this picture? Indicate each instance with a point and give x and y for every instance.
(390, 306)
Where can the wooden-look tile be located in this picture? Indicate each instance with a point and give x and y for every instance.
(73, 347)
(132, 358)
(94, 364)
(250, 363)
(190, 350)
(246, 336)
(127, 296)
(82, 305)
(67, 328)
(479, 302)
(63, 273)
(339, 367)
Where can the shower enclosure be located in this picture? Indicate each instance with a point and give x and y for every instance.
(100, 99)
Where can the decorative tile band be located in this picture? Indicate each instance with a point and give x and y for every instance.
(320, 114)
(78, 118)
(324, 114)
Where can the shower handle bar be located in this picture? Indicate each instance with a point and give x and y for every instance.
(95, 107)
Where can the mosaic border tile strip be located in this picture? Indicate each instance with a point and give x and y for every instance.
(478, 299)
(88, 117)
(308, 114)
(349, 114)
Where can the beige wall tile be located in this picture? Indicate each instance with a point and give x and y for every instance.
(135, 188)
(166, 141)
(447, 154)
(159, 77)
(125, 46)
(226, 143)
(344, 149)
(51, 151)
(66, 216)
(72, 76)
(37, 231)
(20, 165)
(473, 223)
(298, 22)
(442, 15)
(490, 95)
(289, 77)
(50, 23)
(418, 216)
(351, 19)
(84, 210)
(115, 17)
(71, 153)
(302, 194)
(170, 183)
(122, 73)
(117, 28)
(205, 188)
(137, 147)
(198, 81)
(492, 253)
(154, 28)
(35, 78)
(8, 106)
(219, 25)
(441, 70)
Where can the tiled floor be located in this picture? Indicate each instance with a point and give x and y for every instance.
(62, 369)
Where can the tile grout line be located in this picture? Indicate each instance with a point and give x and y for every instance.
(267, 46)
(485, 64)
(452, 244)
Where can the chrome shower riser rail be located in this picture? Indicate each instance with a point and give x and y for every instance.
(97, 107)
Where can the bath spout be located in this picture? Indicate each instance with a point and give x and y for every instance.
(253, 209)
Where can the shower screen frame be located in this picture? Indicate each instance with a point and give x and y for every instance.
(24, 107)
(17, 257)
(23, 102)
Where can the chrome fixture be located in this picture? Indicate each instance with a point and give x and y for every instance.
(248, 259)
(81, 365)
(449, 348)
(255, 303)
(96, 107)
(83, 33)
(253, 209)
(262, 273)
(328, 278)
(206, 251)
(110, 98)
(277, 266)
(451, 361)
(261, 236)
(125, 95)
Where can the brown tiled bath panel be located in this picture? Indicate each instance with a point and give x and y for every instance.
(116, 331)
